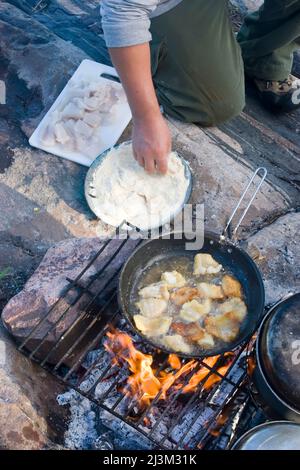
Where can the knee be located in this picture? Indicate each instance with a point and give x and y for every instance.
(223, 102)
(230, 107)
(228, 111)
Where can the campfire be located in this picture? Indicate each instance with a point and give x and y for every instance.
(143, 395)
(147, 381)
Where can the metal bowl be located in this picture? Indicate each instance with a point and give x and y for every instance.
(92, 199)
(274, 435)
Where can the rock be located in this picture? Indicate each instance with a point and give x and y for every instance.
(44, 64)
(74, 21)
(275, 249)
(16, 261)
(49, 282)
(41, 196)
(30, 418)
(46, 190)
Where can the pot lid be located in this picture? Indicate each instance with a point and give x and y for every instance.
(279, 350)
(276, 435)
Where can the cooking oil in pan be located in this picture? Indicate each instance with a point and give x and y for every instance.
(184, 264)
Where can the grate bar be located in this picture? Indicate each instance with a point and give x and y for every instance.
(174, 398)
(77, 285)
(29, 336)
(198, 391)
(101, 334)
(217, 413)
(83, 334)
(219, 406)
(80, 318)
(102, 377)
(106, 408)
(192, 399)
(63, 315)
(129, 411)
(83, 354)
(107, 392)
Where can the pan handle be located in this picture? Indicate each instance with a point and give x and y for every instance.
(262, 172)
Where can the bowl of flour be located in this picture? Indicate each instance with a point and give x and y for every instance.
(119, 190)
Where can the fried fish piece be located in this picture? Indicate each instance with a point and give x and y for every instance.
(184, 294)
(236, 306)
(177, 344)
(194, 310)
(207, 341)
(152, 307)
(204, 263)
(158, 290)
(210, 290)
(193, 333)
(173, 279)
(231, 286)
(152, 326)
(224, 327)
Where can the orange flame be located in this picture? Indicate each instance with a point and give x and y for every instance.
(145, 382)
(221, 420)
(142, 382)
(201, 375)
(251, 364)
(174, 361)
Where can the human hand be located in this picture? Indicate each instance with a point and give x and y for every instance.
(151, 142)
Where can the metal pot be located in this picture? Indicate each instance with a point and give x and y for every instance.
(276, 372)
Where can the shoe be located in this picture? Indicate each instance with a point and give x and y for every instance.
(281, 95)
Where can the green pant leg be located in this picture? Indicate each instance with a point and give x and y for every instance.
(196, 62)
(269, 37)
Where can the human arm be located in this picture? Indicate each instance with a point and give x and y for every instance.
(151, 136)
(126, 30)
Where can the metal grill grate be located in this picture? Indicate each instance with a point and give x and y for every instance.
(68, 342)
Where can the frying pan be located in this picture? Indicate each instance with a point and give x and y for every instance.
(168, 247)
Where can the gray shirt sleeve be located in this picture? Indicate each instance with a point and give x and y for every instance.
(126, 22)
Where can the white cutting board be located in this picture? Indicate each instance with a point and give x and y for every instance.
(109, 134)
